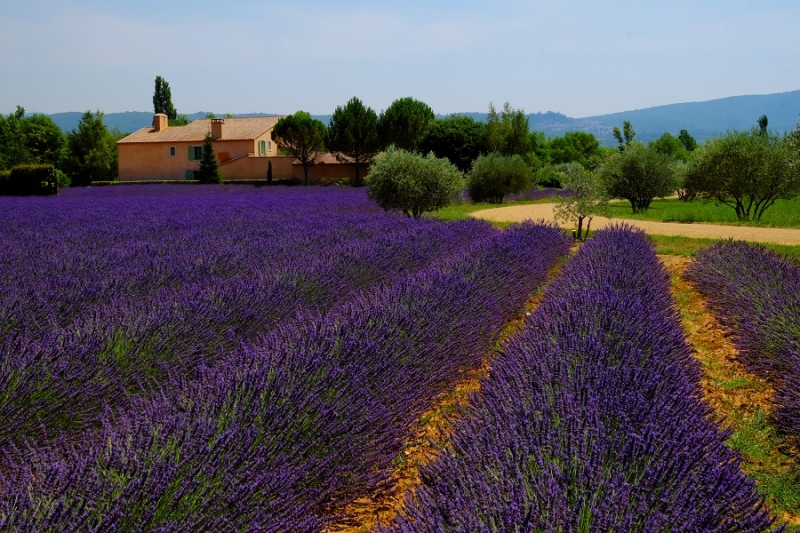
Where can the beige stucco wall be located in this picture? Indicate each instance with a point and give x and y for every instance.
(329, 172)
(255, 168)
(225, 150)
(273, 149)
(151, 161)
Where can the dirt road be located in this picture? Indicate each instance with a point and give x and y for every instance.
(518, 213)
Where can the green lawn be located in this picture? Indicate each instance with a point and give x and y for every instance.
(785, 213)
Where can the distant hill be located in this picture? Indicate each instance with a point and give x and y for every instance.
(702, 119)
(707, 119)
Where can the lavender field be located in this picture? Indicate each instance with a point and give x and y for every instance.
(232, 358)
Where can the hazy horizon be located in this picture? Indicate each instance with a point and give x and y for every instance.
(572, 57)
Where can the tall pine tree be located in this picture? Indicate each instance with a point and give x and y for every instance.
(353, 135)
(209, 168)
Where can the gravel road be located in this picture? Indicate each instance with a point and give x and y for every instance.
(518, 213)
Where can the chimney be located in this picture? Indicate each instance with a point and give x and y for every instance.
(217, 128)
(160, 122)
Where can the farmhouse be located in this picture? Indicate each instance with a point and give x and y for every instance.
(243, 146)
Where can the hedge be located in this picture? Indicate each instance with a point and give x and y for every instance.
(25, 180)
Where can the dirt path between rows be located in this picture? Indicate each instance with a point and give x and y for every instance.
(518, 213)
(734, 394)
(430, 432)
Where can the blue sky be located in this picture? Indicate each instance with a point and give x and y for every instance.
(578, 57)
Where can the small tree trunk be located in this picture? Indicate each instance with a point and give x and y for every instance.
(588, 225)
(580, 227)
(305, 171)
(357, 183)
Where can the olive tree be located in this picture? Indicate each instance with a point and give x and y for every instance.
(414, 184)
(589, 198)
(638, 174)
(746, 170)
(494, 175)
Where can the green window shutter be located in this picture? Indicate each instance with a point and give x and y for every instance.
(190, 174)
(191, 153)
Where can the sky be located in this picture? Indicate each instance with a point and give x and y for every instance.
(577, 57)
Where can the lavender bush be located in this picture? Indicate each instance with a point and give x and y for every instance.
(276, 429)
(756, 293)
(593, 419)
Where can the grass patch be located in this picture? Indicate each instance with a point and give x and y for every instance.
(775, 472)
(739, 382)
(674, 245)
(784, 214)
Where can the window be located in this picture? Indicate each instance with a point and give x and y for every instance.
(172, 151)
(195, 153)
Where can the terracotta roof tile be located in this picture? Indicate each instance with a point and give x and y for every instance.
(236, 129)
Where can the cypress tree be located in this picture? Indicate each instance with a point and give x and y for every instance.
(162, 99)
(209, 168)
(269, 172)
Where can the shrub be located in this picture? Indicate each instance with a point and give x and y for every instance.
(494, 175)
(63, 180)
(639, 174)
(29, 179)
(325, 182)
(412, 183)
(549, 179)
(5, 175)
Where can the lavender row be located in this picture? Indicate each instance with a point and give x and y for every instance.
(756, 293)
(105, 301)
(592, 420)
(291, 428)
